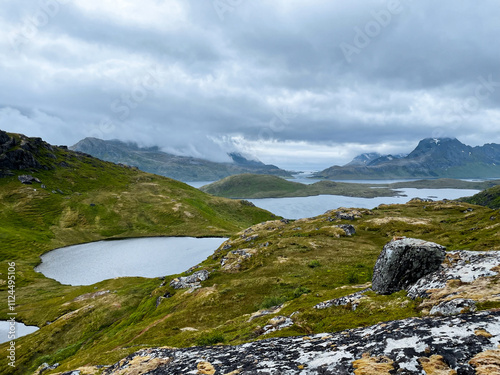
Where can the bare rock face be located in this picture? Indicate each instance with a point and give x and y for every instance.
(403, 262)
(191, 281)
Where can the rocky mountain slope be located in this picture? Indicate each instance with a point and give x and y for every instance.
(182, 168)
(432, 158)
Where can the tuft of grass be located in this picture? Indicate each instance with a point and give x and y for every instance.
(212, 338)
(313, 264)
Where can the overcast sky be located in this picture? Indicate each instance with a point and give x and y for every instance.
(301, 84)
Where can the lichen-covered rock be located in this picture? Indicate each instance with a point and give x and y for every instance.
(28, 179)
(348, 229)
(352, 299)
(466, 266)
(454, 307)
(191, 281)
(402, 342)
(405, 261)
(233, 260)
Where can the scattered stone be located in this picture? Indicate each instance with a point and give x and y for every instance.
(45, 367)
(272, 310)
(403, 262)
(415, 200)
(191, 281)
(233, 260)
(28, 179)
(454, 307)
(344, 216)
(348, 229)
(276, 324)
(189, 329)
(252, 238)
(352, 299)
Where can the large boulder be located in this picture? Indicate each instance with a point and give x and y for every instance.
(403, 262)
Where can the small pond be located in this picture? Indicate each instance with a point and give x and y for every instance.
(90, 263)
(19, 330)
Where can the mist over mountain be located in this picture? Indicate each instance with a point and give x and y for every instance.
(183, 168)
(432, 158)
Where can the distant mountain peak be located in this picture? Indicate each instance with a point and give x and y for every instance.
(432, 158)
(185, 168)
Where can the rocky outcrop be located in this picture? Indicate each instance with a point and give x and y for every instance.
(464, 266)
(28, 179)
(403, 262)
(233, 260)
(404, 347)
(454, 307)
(191, 281)
(351, 299)
(23, 153)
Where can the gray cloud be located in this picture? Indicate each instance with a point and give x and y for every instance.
(320, 81)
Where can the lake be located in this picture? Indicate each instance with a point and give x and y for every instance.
(90, 263)
(300, 207)
(21, 330)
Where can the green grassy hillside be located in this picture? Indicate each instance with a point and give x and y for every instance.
(265, 186)
(81, 199)
(297, 263)
(489, 198)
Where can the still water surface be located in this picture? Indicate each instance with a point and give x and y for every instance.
(90, 263)
(300, 207)
(20, 330)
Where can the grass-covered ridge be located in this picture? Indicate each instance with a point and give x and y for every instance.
(266, 186)
(253, 186)
(489, 198)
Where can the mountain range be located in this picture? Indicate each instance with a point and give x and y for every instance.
(432, 158)
(183, 168)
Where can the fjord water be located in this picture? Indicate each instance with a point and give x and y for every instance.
(20, 330)
(301, 207)
(90, 263)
